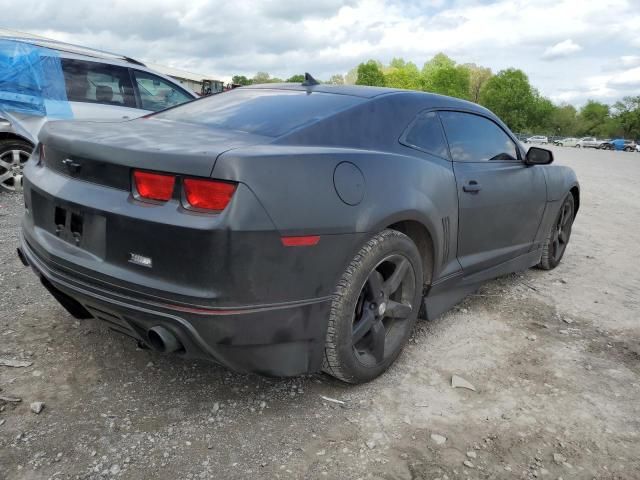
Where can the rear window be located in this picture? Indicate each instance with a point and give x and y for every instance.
(262, 112)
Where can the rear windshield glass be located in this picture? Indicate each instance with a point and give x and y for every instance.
(260, 111)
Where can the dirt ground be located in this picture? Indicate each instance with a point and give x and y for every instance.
(554, 357)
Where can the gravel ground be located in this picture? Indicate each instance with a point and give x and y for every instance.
(554, 357)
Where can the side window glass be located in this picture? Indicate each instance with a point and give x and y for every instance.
(93, 82)
(473, 138)
(426, 134)
(156, 93)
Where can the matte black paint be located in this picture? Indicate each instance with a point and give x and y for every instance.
(224, 284)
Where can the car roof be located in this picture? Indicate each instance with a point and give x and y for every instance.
(75, 49)
(368, 92)
(77, 52)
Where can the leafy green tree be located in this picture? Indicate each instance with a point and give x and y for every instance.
(261, 77)
(351, 77)
(509, 95)
(295, 79)
(397, 62)
(540, 114)
(627, 117)
(564, 121)
(336, 79)
(264, 77)
(241, 80)
(370, 73)
(442, 75)
(438, 62)
(401, 74)
(478, 76)
(593, 119)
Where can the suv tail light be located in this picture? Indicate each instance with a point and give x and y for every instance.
(154, 186)
(212, 195)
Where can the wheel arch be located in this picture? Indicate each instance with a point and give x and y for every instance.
(575, 191)
(14, 136)
(421, 236)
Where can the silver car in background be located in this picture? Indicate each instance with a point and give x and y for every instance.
(45, 80)
(566, 142)
(537, 139)
(589, 142)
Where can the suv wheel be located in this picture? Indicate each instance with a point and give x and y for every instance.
(13, 155)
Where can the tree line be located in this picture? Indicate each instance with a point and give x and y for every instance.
(508, 93)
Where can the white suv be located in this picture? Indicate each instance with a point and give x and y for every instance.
(48, 80)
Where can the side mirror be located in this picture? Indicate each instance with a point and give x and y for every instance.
(538, 156)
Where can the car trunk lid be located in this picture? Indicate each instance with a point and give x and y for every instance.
(106, 152)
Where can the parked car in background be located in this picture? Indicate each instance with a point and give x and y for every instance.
(620, 145)
(43, 80)
(589, 142)
(203, 236)
(566, 142)
(537, 139)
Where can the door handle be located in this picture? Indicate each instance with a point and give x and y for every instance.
(472, 187)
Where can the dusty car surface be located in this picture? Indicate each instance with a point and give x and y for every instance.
(285, 229)
(44, 80)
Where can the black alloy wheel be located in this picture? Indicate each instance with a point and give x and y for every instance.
(375, 306)
(558, 239)
(383, 305)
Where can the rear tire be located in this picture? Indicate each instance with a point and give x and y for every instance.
(559, 235)
(374, 309)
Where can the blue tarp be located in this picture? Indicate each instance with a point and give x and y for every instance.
(31, 80)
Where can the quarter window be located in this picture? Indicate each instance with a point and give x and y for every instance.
(156, 93)
(473, 138)
(93, 82)
(426, 134)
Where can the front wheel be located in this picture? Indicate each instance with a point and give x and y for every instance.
(558, 238)
(375, 306)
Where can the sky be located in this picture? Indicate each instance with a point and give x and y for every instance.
(572, 50)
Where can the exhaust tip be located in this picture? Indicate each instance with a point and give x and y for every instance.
(162, 340)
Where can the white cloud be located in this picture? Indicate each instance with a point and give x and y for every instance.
(628, 78)
(630, 60)
(561, 50)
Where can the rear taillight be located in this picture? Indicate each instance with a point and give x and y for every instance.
(212, 195)
(154, 186)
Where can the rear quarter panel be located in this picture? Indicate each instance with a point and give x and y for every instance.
(296, 187)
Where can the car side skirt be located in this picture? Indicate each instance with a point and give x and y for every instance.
(449, 291)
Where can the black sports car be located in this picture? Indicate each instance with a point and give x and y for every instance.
(284, 229)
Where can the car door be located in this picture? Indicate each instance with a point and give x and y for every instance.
(500, 199)
(155, 93)
(99, 91)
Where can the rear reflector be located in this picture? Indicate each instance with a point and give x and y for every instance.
(306, 241)
(154, 186)
(208, 194)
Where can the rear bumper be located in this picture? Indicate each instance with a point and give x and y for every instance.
(282, 339)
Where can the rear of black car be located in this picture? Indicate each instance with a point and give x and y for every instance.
(124, 223)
